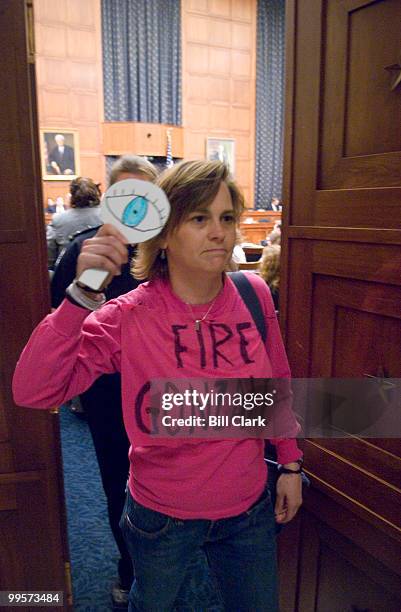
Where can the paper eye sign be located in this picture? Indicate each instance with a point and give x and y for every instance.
(138, 209)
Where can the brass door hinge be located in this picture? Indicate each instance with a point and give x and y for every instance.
(30, 32)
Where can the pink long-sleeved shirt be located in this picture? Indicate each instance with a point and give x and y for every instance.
(146, 334)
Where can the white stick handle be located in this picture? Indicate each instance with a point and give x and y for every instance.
(93, 278)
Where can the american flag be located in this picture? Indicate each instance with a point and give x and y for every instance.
(169, 156)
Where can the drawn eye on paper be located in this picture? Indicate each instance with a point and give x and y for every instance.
(139, 209)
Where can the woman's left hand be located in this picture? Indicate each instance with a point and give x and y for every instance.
(289, 497)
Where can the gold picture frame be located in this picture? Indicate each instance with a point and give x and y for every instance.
(222, 149)
(59, 154)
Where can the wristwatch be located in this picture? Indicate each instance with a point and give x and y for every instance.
(283, 470)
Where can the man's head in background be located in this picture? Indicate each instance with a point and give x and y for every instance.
(132, 166)
(59, 138)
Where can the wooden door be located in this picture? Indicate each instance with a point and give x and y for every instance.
(33, 550)
(341, 289)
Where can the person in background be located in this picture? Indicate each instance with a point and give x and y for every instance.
(51, 206)
(60, 206)
(183, 495)
(275, 235)
(127, 166)
(269, 270)
(83, 213)
(238, 252)
(276, 206)
(220, 154)
(101, 403)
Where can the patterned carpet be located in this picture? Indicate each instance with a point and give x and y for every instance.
(93, 551)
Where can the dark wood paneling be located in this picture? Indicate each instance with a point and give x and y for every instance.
(33, 547)
(340, 291)
(352, 319)
(369, 100)
(8, 497)
(302, 109)
(368, 455)
(381, 498)
(361, 133)
(321, 110)
(338, 574)
(345, 234)
(288, 562)
(378, 208)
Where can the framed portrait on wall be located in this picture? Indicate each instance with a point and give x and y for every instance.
(60, 154)
(222, 149)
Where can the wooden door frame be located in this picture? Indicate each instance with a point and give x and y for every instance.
(34, 550)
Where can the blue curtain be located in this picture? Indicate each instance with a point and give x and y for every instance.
(142, 60)
(269, 101)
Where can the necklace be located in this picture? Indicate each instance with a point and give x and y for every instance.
(199, 321)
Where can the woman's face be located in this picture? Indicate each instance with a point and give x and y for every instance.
(204, 241)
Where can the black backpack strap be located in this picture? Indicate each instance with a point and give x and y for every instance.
(251, 300)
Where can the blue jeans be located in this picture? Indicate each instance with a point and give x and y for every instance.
(241, 551)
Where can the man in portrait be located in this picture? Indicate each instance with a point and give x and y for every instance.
(61, 157)
(219, 154)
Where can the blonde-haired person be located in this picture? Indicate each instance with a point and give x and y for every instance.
(269, 270)
(275, 235)
(128, 165)
(187, 321)
(238, 252)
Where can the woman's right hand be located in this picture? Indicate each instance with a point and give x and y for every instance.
(107, 250)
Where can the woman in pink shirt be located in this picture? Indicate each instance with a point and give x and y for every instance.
(187, 322)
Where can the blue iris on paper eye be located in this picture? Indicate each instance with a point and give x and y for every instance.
(135, 211)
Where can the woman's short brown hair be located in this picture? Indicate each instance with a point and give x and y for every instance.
(85, 193)
(187, 185)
